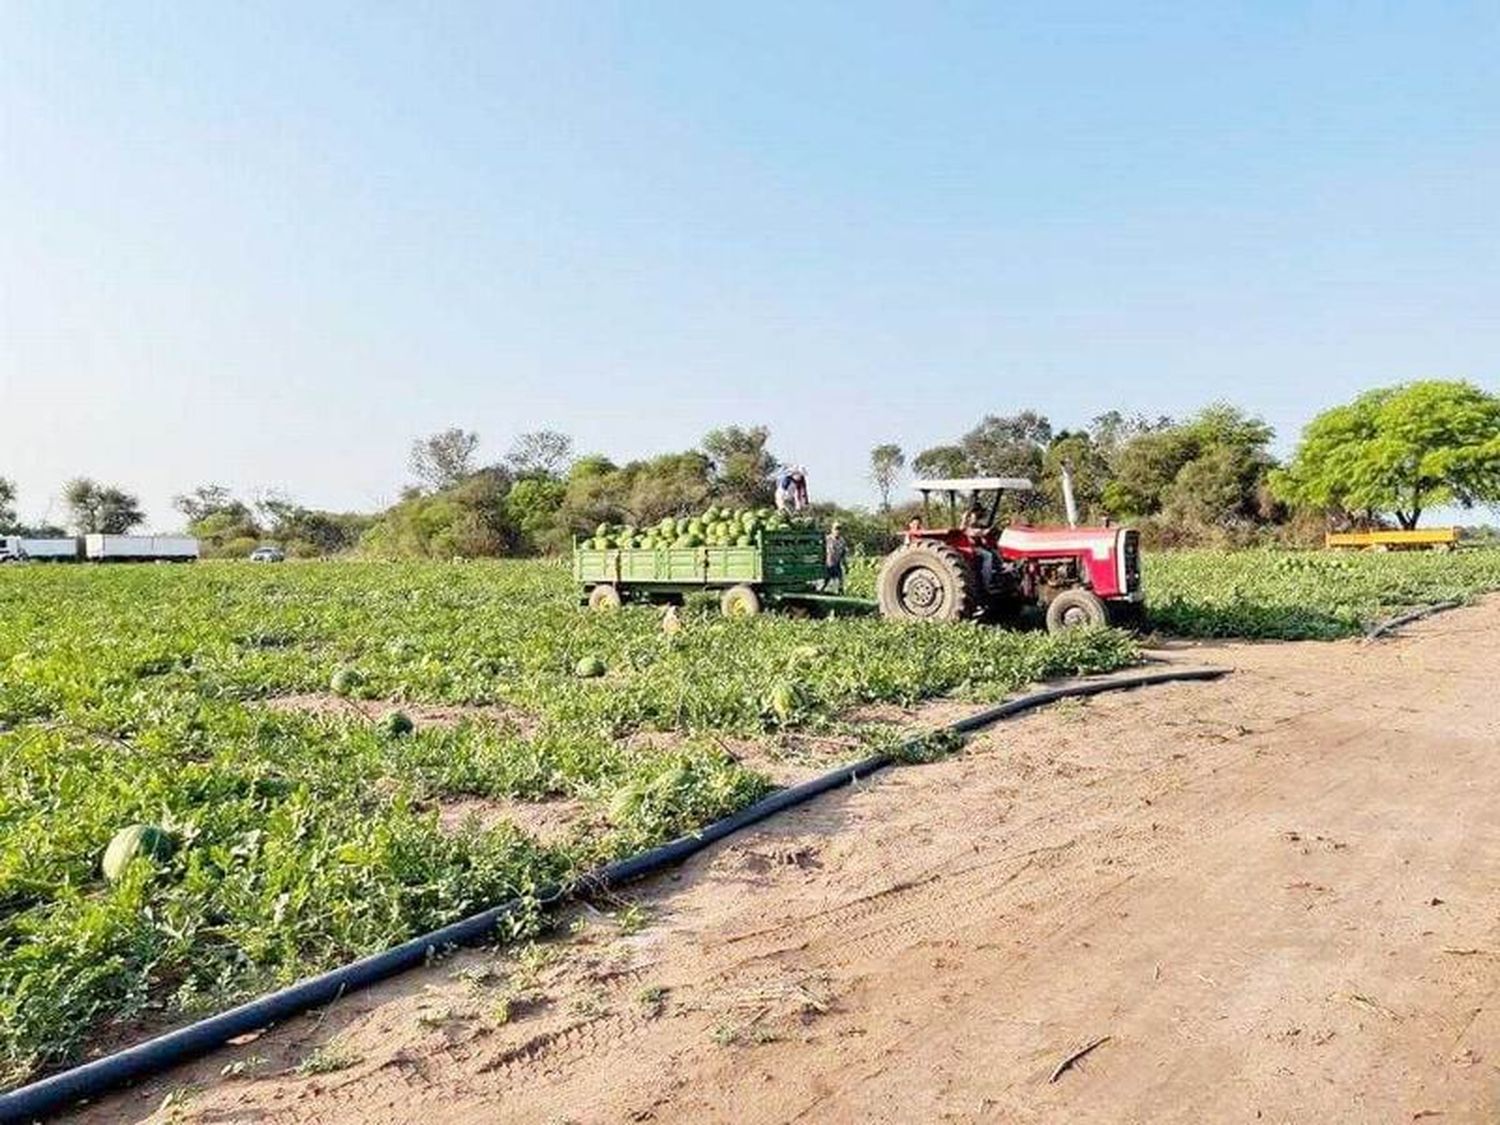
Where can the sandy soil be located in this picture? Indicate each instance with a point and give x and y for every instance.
(1270, 898)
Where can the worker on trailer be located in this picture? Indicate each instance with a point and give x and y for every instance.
(835, 552)
(784, 490)
(791, 489)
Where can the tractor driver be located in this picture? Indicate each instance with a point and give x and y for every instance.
(972, 526)
(972, 523)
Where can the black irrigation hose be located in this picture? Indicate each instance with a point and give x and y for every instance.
(1375, 632)
(91, 1079)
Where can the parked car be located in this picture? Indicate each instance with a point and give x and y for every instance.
(268, 554)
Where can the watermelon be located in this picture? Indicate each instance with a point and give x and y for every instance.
(783, 700)
(394, 724)
(346, 681)
(137, 840)
(589, 668)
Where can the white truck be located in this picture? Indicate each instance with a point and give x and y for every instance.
(20, 548)
(140, 548)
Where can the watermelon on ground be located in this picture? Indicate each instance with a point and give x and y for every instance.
(137, 840)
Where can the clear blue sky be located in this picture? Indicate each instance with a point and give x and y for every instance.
(269, 245)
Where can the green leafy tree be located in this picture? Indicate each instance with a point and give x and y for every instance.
(535, 503)
(1091, 474)
(942, 461)
(1207, 472)
(443, 459)
(886, 463)
(206, 500)
(595, 492)
(7, 505)
(741, 464)
(223, 525)
(469, 520)
(1400, 450)
(102, 509)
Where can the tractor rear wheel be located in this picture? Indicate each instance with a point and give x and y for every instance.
(1076, 609)
(927, 582)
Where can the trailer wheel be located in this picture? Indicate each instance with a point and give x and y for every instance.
(926, 581)
(740, 601)
(1075, 609)
(604, 598)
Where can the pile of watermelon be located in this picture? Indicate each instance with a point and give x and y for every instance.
(716, 527)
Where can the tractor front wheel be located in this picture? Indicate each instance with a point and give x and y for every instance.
(926, 582)
(1075, 609)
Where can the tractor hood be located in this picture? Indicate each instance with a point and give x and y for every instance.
(1097, 541)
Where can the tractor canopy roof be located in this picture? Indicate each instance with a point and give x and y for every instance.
(974, 484)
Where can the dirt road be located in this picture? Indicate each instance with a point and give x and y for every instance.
(1271, 898)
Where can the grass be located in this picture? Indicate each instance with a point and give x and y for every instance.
(1294, 595)
(135, 694)
(327, 1059)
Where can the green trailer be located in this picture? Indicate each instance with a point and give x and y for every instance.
(781, 568)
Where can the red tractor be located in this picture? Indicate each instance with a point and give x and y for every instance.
(972, 570)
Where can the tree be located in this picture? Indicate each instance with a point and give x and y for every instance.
(534, 502)
(543, 453)
(1088, 463)
(942, 461)
(469, 520)
(223, 525)
(742, 466)
(7, 505)
(675, 484)
(1401, 450)
(206, 500)
(886, 463)
(1203, 473)
(306, 532)
(101, 509)
(1111, 430)
(443, 459)
(1008, 446)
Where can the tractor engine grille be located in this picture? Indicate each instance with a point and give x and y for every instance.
(1131, 546)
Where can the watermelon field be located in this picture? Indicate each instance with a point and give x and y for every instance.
(298, 838)
(305, 741)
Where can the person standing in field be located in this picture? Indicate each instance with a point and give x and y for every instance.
(835, 551)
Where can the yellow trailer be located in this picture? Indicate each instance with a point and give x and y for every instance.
(1422, 539)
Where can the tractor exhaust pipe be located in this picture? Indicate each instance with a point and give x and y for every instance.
(1069, 504)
